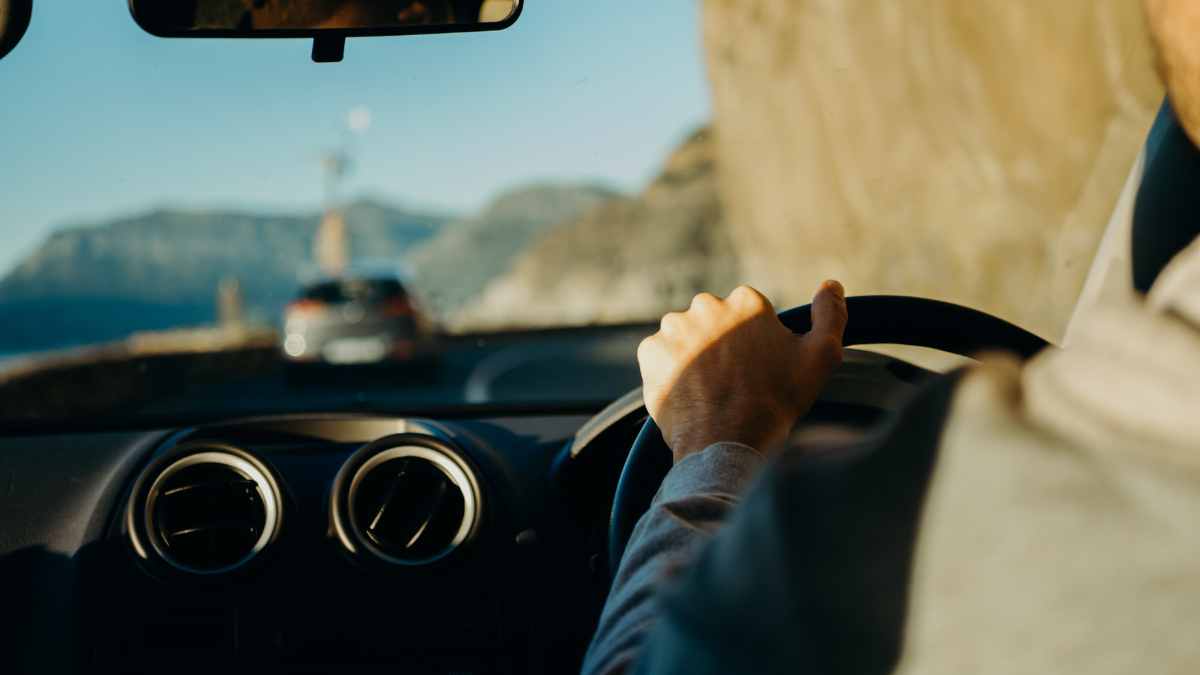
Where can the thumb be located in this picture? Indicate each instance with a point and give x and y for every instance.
(829, 315)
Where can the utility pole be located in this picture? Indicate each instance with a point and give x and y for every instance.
(332, 245)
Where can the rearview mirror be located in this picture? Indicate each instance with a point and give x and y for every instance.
(328, 22)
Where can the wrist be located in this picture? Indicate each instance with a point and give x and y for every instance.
(684, 445)
(694, 441)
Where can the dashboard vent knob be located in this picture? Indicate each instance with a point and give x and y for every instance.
(210, 511)
(411, 503)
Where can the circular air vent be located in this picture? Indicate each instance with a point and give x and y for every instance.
(207, 512)
(408, 499)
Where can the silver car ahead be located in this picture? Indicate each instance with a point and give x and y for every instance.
(356, 320)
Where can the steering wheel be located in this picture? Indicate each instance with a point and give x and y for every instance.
(877, 319)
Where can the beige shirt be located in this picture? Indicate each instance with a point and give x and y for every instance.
(1062, 528)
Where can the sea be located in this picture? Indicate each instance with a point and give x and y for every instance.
(10, 358)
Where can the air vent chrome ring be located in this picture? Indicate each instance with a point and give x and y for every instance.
(419, 483)
(251, 507)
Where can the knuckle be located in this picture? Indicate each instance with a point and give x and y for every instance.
(750, 298)
(704, 301)
(671, 323)
(740, 292)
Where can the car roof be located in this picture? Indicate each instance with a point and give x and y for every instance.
(381, 270)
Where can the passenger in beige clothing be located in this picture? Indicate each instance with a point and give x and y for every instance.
(1060, 533)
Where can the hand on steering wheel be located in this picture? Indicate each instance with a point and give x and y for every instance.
(730, 371)
(899, 320)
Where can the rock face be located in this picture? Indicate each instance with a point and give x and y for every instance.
(628, 259)
(454, 267)
(967, 151)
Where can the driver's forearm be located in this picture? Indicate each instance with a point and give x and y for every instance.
(695, 498)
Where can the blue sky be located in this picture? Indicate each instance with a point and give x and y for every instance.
(102, 120)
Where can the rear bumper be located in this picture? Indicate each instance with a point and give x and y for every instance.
(357, 343)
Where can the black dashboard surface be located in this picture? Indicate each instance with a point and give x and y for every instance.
(520, 593)
(518, 597)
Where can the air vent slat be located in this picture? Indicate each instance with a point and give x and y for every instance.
(391, 494)
(219, 527)
(409, 504)
(211, 511)
(213, 486)
(409, 507)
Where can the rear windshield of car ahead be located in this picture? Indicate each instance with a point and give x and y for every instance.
(356, 290)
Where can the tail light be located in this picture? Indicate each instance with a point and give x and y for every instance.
(397, 307)
(306, 307)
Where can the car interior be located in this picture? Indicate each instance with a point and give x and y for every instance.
(384, 533)
(262, 541)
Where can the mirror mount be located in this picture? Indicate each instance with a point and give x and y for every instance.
(328, 48)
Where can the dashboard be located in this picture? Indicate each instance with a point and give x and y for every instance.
(345, 543)
(341, 542)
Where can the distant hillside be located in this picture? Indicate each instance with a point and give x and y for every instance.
(161, 269)
(454, 267)
(629, 259)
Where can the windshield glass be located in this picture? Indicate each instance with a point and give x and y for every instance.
(595, 165)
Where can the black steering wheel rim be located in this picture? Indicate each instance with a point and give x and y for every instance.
(873, 319)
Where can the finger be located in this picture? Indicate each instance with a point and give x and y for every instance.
(750, 298)
(645, 351)
(829, 313)
(654, 360)
(653, 357)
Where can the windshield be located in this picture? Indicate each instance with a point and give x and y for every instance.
(597, 164)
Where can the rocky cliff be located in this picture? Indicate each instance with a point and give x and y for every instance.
(625, 260)
(453, 268)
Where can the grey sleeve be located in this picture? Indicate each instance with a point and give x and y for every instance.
(695, 498)
(810, 574)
